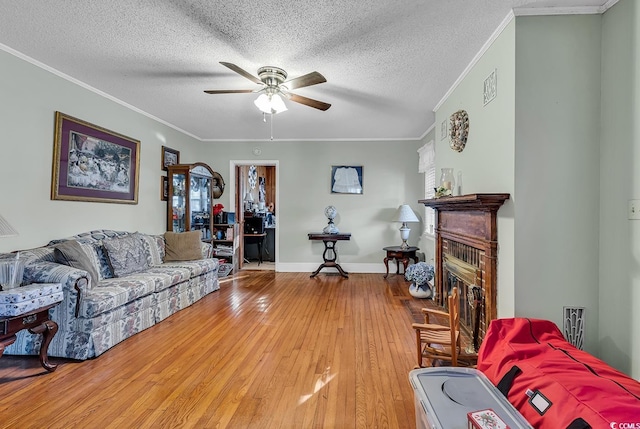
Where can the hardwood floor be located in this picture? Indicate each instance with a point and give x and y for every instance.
(269, 350)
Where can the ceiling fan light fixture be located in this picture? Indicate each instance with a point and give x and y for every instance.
(271, 104)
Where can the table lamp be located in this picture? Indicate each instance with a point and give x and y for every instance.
(248, 201)
(404, 215)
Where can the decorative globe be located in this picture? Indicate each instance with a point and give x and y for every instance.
(330, 212)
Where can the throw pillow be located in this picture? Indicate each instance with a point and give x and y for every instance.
(152, 248)
(126, 255)
(71, 253)
(98, 256)
(182, 246)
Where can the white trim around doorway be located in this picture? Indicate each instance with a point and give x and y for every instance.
(232, 192)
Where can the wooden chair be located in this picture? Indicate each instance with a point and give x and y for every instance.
(439, 342)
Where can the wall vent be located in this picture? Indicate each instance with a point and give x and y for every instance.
(573, 326)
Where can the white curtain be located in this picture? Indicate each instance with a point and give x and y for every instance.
(427, 158)
(427, 165)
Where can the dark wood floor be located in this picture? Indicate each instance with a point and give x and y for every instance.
(269, 350)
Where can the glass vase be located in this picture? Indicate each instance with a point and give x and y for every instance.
(447, 181)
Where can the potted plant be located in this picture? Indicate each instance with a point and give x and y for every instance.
(419, 275)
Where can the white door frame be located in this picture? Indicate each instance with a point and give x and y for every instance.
(232, 192)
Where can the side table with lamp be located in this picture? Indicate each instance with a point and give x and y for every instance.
(403, 253)
(329, 236)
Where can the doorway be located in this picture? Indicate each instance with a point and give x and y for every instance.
(255, 201)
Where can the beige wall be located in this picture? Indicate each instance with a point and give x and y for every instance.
(390, 178)
(557, 117)
(31, 95)
(619, 237)
(487, 162)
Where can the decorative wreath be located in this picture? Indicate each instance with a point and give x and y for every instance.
(459, 126)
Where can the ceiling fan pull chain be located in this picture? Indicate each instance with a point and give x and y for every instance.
(272, 127)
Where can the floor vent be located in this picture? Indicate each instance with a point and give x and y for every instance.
(573, 326)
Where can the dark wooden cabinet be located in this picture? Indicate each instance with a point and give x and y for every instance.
(189, 198)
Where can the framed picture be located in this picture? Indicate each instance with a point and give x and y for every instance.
(91, 163)
(164, 188)
(346, 179)
(169, 157)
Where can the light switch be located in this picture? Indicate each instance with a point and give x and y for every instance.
(634, 209)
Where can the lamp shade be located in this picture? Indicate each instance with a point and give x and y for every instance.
(405, 214)
(6, 230)
(270, 104)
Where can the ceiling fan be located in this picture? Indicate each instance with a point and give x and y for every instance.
(273, 84)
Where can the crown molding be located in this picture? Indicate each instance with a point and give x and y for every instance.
(575, 10)
(90, 88)
(428, 131)
(510, 16)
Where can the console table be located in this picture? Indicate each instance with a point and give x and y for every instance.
(400, 255)
(330, 253)
(37, 322)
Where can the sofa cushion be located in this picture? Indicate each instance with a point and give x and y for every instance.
(93, 253)
(183, 246)
(197, 268)
(126, 255)
(72, 254)
(154, 247)
(88, 324)
(116, 292)
(177, 274)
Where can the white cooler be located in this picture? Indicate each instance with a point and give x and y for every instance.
(444, 396)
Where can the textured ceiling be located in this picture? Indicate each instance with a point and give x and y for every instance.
(387, 64)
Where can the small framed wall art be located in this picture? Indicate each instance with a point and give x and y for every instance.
(346, 179)
(169, 157)
(164, 188)
(91, 163)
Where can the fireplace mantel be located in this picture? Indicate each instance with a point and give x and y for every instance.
(466, 255)
(483, 202)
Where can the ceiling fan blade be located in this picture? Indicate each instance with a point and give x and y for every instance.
(320, 105)
(309, 79)
(241, 72)
(228, 91)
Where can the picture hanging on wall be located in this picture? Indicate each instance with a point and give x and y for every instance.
(346, 179)
(91, 163)
(169, 157)
(164, 188)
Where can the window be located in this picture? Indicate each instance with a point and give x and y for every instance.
(427, 165)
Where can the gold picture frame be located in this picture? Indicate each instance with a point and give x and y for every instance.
(92, 163)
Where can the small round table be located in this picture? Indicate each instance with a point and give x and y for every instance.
(400, 255)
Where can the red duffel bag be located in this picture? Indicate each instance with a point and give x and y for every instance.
(553, 384)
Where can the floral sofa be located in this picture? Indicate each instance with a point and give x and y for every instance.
(128, 287)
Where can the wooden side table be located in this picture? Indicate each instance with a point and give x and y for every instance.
(329, 241)
(400, 255)
(37, 322)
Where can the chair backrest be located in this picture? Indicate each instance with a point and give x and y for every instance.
(454, 323)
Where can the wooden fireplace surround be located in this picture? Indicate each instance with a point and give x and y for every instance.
(471, 221)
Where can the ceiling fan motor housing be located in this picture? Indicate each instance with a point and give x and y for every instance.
(272, 76)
